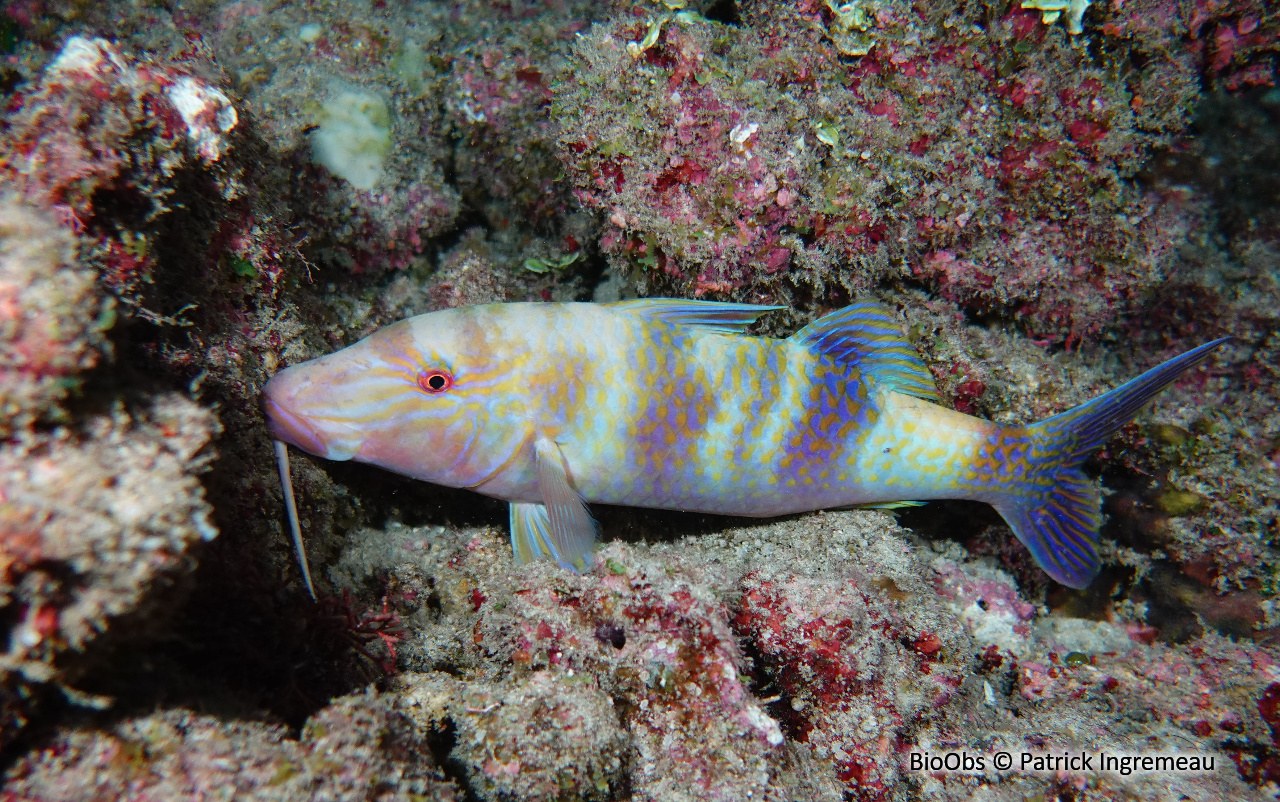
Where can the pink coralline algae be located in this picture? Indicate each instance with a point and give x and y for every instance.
(991, 606)
(101, 133)
(797, 660)
(97, 509)
(855, 672)
(378, 229)
(1237, 42)
(698, 679)
(92, 522)
(1044, 680)
(755, 162)
(663, 642)
(52, 318)
(497, 108)
(1218, 693)
(1230, 44)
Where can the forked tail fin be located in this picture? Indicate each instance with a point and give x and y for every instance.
(1054, 508)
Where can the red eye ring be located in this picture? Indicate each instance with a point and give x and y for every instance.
(435, 381)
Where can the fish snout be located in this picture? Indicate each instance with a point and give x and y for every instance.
(287, 427)
(290, 406)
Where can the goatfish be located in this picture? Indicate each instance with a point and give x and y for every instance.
(666, 403)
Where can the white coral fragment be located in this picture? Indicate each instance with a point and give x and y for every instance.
(1050, 10)
(354, 136)
(207, 112)
(636, 49)
(763, 723)
(84, 55)
(741, 133)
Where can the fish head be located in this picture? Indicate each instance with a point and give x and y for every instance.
(413, 398)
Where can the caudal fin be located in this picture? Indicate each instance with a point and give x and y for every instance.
(1054, 508)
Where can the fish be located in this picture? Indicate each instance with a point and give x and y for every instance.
(667, 403)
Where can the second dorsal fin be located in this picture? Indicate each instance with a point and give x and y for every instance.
(714, 315)
(866, 336)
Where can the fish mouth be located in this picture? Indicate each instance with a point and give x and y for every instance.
(304, 413)
(293, 429)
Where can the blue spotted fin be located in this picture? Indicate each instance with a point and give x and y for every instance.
(866, 336)
(713, 315)
(1055, 509)
(561, 527)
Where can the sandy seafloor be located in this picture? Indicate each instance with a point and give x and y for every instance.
(196, 193)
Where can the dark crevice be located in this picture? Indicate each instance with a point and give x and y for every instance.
(387, 497)
(642, 525)
(611, 633)
(433, 603)
(10, 80)
(1166, 592)
(724, 12)
(961, 521)
(120, 207)
(452, 670)
(764, 684)
(55, 713)
(441, 743)
(592, 270)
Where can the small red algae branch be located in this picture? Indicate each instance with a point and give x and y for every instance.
(662, 403)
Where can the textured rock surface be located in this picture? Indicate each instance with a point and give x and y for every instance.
(358, 748)
(53, 321)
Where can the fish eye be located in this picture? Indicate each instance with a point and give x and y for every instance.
(435, 381)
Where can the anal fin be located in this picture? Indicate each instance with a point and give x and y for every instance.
(889, 505)
(880, 505)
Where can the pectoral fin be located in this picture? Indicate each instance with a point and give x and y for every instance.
(561, 527)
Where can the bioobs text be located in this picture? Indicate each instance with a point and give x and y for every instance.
(947, 761)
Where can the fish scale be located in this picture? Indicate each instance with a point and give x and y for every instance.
(710, 425)
(665, 403)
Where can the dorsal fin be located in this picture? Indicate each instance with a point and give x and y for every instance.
(866, 336)
(722, 317)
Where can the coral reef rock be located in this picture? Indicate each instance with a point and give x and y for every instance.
(358, 748)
